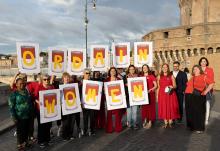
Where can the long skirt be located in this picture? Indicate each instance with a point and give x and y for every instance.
(195, 107)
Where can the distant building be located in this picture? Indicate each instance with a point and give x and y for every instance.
(198, 35)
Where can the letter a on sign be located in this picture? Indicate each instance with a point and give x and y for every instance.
(143, 54)
(121, 54)
(137, 88)
(28, 57)
(99, 58)
(76, 61)
(92, 91)
(57, 61)
(50, 109)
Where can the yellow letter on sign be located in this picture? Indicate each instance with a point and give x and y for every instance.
(50, 106)
(121, 55)
(138, 91)
(24, 56)
(113, 95)
(77, 62)
(142, 54)
(67, 96)
(91, 95)
(99, 56)
(57, 61)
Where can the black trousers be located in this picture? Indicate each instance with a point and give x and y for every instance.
(195, 112)
(43, 134)
(22, 130)
(77, 121)
(88, 114)
(67, 126)
(180, 97)
(31, 126)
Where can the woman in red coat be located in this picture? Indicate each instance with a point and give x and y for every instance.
(208, 71)
(148, 112)
(43, 134)
(118, 112)
(168, 108)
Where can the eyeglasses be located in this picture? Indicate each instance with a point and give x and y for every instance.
(46, 79)
(87, 72)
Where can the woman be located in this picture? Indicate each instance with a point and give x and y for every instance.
(208, 71)
(67, 120)
(148, 112)
(195, 103)
(21, 109)
(100, 114)
(43, 129)
(167, 100)
(131, 110)
(76, 118)
(88, 114)
(113, 76)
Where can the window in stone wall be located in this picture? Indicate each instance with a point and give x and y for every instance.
(218, 50)
(183, 53)
(195, 52)
(210, 50)
(166, 34)
(188, 31)
(202, 51)
(189, 53)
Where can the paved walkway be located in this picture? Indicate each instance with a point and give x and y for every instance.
(155, 139)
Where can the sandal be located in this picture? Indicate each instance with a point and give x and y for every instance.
(171, 125)
(165, 125)
(20, 147)
(148, 126)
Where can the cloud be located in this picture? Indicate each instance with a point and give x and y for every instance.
(61, 22)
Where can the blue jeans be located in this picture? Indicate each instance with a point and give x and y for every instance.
(132, 115)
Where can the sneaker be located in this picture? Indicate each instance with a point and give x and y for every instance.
(42, 145)
(92, 133)
(50, 143)
(79, 135)
(72, 138)
(199, 132)
(207, 122)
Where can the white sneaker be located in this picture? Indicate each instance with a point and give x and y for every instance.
(206, 122)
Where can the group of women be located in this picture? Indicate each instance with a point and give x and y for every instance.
(24, 103)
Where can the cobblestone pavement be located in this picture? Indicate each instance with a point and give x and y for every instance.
(155, 139)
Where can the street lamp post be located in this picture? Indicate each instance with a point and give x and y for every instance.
(86, 21)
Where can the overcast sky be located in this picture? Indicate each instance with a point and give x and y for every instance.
(60, 23)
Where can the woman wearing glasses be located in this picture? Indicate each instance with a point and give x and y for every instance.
(43, 134)
(88, 114)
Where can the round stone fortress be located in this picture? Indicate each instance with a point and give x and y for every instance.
(198, 35)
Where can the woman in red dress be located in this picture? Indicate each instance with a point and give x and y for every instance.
(167, 100)
(118, 112)
(208, 71)
(148, 112)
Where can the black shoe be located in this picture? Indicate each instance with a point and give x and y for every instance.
(136, 127)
